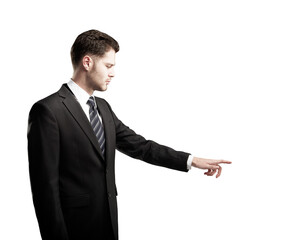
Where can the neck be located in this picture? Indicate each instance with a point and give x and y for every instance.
(81, 80)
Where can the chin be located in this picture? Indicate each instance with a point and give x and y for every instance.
(102, 89)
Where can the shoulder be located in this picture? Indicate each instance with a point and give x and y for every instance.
(47, 104)
(55, 98)
(47, 101)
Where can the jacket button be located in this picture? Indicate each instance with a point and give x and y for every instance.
(109, 195)
(107, 171)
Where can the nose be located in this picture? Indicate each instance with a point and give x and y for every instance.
(111, 73)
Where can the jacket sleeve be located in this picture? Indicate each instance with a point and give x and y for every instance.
(43, 153)
(136, 146)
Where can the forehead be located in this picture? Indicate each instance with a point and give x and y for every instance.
(109, 57)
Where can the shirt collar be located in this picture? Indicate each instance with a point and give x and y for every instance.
(81, 95)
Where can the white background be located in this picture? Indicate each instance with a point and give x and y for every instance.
(214, 78)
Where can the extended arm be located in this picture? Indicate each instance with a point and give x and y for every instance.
(136, 146)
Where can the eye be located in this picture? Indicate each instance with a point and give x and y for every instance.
(109, 66)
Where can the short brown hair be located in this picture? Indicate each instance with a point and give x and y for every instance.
(92, 42)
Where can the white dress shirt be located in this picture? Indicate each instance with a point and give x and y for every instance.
(82, 97)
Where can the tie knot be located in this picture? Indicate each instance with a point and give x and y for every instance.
(91, 102)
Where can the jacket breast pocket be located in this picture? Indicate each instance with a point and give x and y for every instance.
(75, 201)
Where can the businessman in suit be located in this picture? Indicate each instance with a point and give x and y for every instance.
(72, 138)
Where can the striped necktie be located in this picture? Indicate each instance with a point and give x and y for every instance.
(96, 124)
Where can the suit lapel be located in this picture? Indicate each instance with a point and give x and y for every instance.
(76, 111)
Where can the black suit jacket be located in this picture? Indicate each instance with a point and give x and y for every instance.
(73, 185)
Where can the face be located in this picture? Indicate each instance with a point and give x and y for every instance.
(102, 71)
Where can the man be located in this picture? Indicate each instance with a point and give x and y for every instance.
(72, 137)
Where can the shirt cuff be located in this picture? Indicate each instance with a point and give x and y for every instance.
(189, 162)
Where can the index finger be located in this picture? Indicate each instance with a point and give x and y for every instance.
(222, 161)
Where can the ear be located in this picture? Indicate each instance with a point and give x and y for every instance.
(87, 62)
